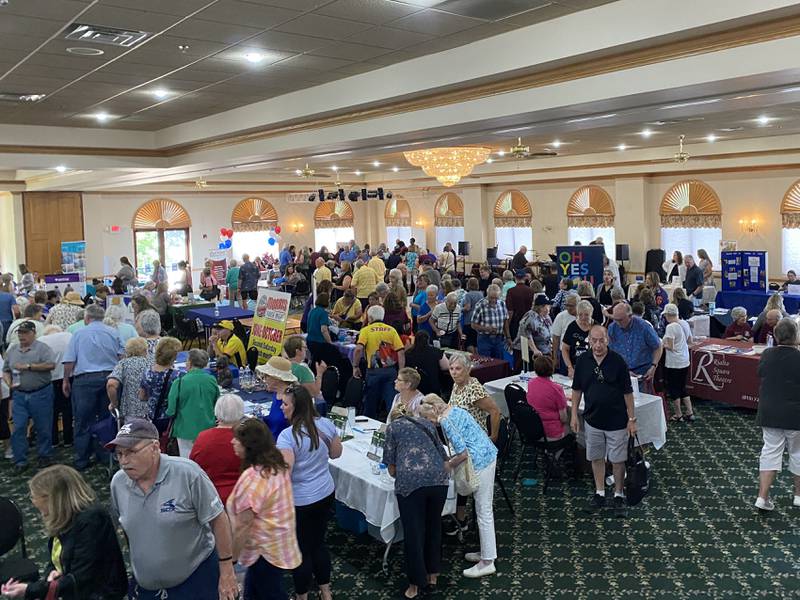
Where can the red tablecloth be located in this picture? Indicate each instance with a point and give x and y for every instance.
(722, 376)
(488, 369)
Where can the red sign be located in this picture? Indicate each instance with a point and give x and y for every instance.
(719, 371)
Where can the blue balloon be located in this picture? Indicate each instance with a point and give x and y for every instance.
(271, 241)
(227, 243)
(222, 245)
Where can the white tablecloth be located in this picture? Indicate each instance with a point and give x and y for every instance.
(650, 419)
(361, 490)
(700, 325)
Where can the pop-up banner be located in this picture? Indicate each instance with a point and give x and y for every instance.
(581, 262)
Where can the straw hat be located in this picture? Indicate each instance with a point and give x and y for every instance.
(278, 367)
(73, 298)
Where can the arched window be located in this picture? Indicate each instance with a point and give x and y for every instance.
(161, 232)
(333, 224)
(250, 219)
(397, 216)
(448, 220)
(790, 215)
(590, 214)
(512, 222)
(691, 218)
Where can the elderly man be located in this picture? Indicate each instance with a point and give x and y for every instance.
(376, 264)
(519, 300)
(490, 320)
(383, 350)
(693, 284)
(520, 259)
(92, 354)
(248, 280)
(321, 272)
(602, 380)
(364, 281)
(765, 332)
(426, 268)
(561, 322)
(637, 342)
(179, 536)
(446, 321)
(26, 371)
(58, 341)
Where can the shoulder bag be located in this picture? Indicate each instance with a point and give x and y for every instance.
(465, 478)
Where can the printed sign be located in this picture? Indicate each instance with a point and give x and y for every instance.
(73, 257)
(66, 282)
(723, 376)
(269, 322)
(581, 262)
(375, 451)
(219, 264)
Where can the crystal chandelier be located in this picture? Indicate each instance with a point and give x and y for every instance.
(448, 165)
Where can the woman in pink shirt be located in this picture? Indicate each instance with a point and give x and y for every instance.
(547, 398)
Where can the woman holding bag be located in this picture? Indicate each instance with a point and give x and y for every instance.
(473, 465)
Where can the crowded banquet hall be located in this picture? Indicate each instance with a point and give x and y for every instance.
(376, 299)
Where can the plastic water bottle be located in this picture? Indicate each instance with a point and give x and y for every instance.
(216, 310)
(770, 340)
(244, 378)
(385, 477)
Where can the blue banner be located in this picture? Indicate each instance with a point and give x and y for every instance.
(581, 262)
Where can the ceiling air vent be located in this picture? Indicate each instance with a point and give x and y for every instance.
(106, 35)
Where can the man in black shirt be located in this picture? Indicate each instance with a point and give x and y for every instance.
(693, 284)
(602, 379)
(485, 278)
(520, 261)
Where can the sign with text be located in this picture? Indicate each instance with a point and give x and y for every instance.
(580, 262)
(724, 371)
(269, 322)
(65, 282)
(219, 264)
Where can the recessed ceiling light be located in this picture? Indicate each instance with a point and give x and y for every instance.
(763, 120)
(501, 153)
(622, 147)
(334, 168)
(81, 51)
(395, 169)
(254, 57)
(711, 137)
(356, 172)
(298, 172)
(61, 169)
(691, 103)
(160, 93)
(376, 163)
(102, 117)
(646, 133)
(556, 144)
(489, 160)
(31, 97)
(183, 47)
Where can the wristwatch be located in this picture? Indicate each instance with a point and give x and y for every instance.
(632, 419)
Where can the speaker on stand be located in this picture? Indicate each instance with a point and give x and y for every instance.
(463, 252)
(623, 254)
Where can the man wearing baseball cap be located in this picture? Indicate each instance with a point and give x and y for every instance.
(178, 533)
(225, 342)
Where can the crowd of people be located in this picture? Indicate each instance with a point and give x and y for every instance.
(253, 497)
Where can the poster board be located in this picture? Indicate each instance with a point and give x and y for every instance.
(73, 257)
(65, 282)
(219, 264)
(580, 262)
(269, 322)
(754, 270)
(731, 271)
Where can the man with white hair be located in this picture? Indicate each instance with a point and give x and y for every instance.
(384, 353)
(520, 259)
(765, 332)
(693, 282)
(446, 321)
(490, 320)
(637, 342)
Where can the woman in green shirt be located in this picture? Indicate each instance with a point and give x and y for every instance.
(191, 401)
(232, 281)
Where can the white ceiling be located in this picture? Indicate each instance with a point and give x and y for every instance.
(304, 43)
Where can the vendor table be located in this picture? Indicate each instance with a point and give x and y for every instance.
(181, 309)
(650, 419)
(725, 371)
(208, 317)
(360, 489)
(709, 291)
(755, 302)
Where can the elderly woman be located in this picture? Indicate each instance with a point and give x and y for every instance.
(535, 326)
(575, 341)
(586, 292)
(508, 283)
(212, 449)
(445, 320)
(420, 467)
(406, 402)
(191, 401)
(115, 318)
(85, 557)
(564, 290)
(262, 514)
(276, 375)
(779, 411)
(677, 337)
(347, 311)
(209, 287)
(128, 374)
(372, 300)
(426, 310)
(307, 445)
(161, 299)
(156, 382)
(774, 302)
(548, 400)
(466, 439)
(149, 327)
(232, 281)
(739, 329)
(396, 285)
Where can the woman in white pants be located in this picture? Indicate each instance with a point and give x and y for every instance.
(467, 439)
(779, 410)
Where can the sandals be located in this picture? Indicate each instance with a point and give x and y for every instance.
(676, 419)
(689, 418)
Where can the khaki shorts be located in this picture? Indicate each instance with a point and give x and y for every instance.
(602, 444)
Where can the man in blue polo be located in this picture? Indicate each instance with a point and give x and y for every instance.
(285, 258)
(92, 354)
(637, 342)
(348, 253)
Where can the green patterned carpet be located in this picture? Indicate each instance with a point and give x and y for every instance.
(696, 535)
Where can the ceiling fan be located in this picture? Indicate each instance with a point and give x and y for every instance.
(520, 151)
(307, 173)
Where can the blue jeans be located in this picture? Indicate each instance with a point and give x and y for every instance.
(379, 386)
(37, 406)
(491, 345)
(89, 405)
(264, 581)
(202, 584)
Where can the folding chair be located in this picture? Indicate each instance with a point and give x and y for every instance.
(505, 439)
(11, 533)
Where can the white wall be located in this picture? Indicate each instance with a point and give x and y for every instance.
(12, 233)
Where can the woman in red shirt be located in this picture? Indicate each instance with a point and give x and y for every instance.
(740, 329)
(547, 398)
(212, 449)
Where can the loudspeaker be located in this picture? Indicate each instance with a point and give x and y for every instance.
(654, 262)
(463, 248)
(491, 253)
(623, 252)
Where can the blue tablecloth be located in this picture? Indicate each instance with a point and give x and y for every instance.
(208, 318)
(754, 302)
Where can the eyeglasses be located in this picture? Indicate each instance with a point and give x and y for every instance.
(128, 453)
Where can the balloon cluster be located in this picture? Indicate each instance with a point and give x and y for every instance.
(225, 236)
(274, 235)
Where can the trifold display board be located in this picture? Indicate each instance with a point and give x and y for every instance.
(745, 270)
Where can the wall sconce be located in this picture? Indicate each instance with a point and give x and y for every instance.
(297, 227)
(419, 223)
(750, 226)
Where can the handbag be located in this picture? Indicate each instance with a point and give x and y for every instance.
(105, 429)
(637, 476)
(465, 478)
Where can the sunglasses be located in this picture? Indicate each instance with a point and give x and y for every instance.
(292, 388)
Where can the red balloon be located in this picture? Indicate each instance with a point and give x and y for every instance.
(277, 228)
(222, 230)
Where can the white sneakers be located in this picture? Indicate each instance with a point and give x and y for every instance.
(764, 504)
(796, 501)
(479, 571)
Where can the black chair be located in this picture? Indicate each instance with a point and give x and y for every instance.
(252, 358)
(529, 425)
(505, 440)
(301, 292)
(11, 532)
(329, 386)
(188, 332)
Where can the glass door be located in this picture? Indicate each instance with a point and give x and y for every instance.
(147, 250)
(176, 249)
(170, 246)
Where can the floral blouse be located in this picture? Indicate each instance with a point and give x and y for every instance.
(129, 372)
(413, 447)
(152, 383)
(537, 328)
(467, 397)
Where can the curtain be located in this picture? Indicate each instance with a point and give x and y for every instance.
(584, 235)
(690, 239)
(509, 239)
(394, 233)
(791, 249)
(447, 234)
(332, 237)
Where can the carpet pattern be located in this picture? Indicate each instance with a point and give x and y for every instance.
(696, 535)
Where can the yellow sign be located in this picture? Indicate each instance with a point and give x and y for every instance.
(269, 322)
